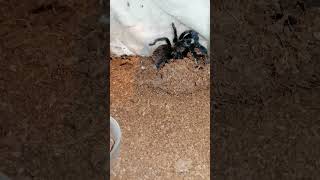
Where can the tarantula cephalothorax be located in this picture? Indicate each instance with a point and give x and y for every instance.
(188, 42)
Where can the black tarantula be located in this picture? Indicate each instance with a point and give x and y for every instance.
(188, 41)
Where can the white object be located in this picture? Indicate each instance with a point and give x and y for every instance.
(134, 24)
(115, 134)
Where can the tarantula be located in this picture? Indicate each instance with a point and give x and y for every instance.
(188, 41)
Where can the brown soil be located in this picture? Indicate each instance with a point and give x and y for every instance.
(51, 90)
(157, 112)
(266, 90)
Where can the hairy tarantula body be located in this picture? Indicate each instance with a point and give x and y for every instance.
(188, 42)
(161, 55)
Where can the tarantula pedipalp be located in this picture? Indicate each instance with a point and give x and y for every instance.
(188, 41)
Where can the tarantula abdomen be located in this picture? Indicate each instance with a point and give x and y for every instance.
(161, 55)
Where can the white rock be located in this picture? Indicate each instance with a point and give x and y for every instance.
(183, 166)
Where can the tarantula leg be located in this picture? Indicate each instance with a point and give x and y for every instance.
(195, 56)
(187, 42)
(202, 49)
(190, 34)
(161, 39)
(184, 33)
(159, 63)
(157, 67)
(196, 61)
(175, 36)
(207, 61)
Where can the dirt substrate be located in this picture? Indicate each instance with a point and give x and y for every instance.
(266, 90)
(164, 116)
(52, 122)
